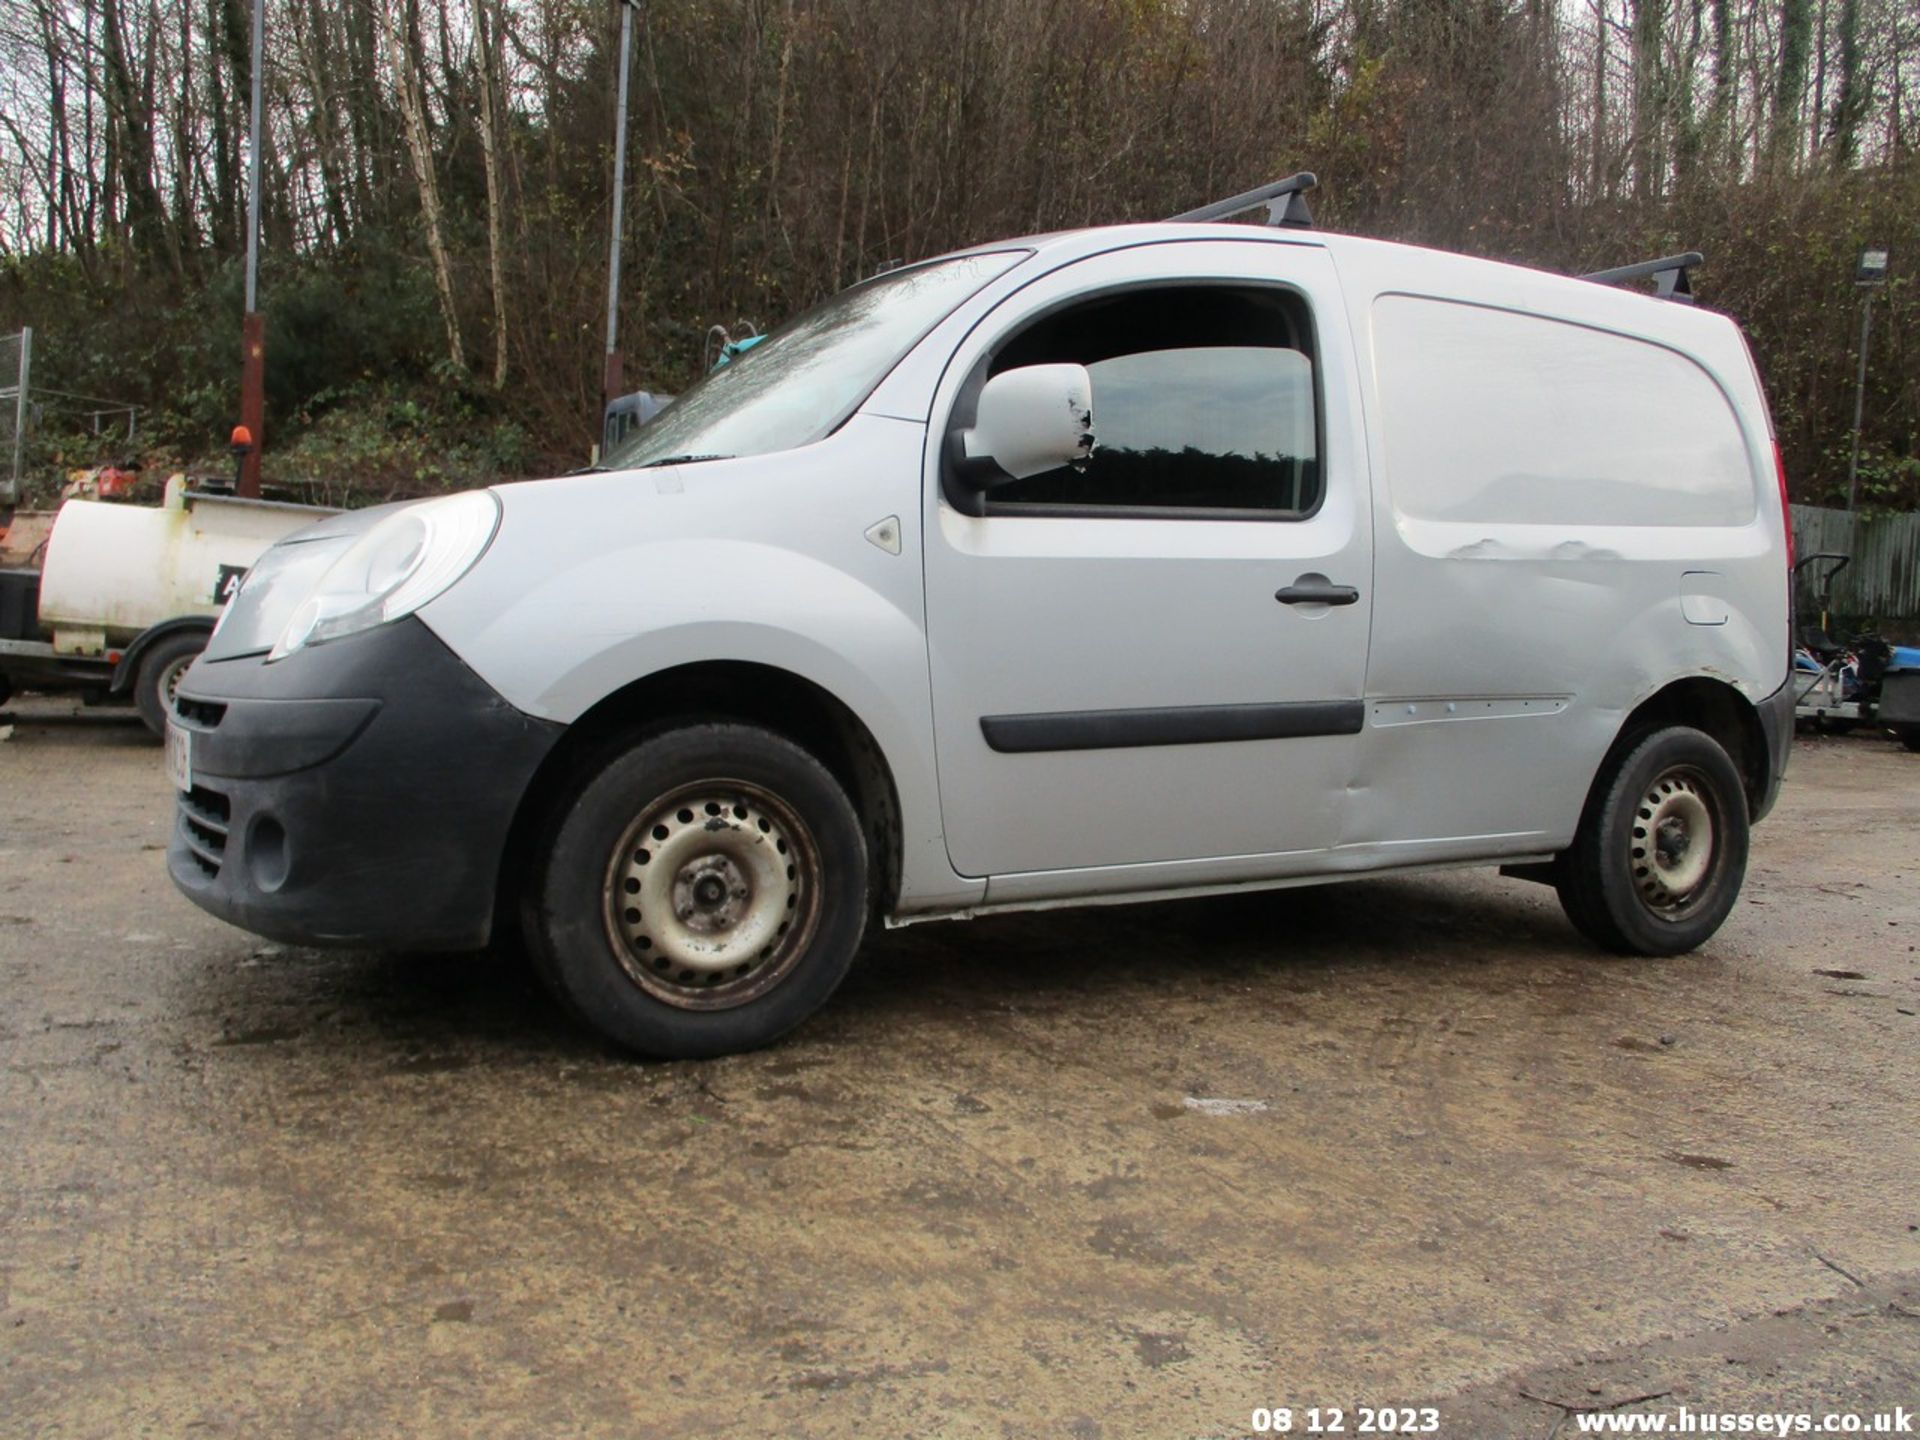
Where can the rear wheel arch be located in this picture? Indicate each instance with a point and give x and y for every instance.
(766, 696)
(1711, 706)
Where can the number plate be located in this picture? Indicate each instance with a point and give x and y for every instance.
(179, 757)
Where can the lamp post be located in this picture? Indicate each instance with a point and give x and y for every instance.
(611, 379)
(1869, 275)
(253, 325)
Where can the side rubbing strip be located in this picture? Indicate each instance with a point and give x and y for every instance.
(1173, 725)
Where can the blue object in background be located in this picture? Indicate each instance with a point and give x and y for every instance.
(736, 347)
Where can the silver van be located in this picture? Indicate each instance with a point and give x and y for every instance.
(1130, 562)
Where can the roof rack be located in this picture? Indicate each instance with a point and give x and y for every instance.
(1286, 202)
(1669, 275)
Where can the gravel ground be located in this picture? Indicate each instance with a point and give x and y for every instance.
(994, 1190)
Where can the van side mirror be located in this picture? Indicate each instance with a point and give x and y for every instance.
(1027, 422)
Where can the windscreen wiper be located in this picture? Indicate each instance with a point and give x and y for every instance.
(680, 460)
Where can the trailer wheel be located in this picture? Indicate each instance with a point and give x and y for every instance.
(159, 677)
(6, 690)
(1658, 861)
(703, 892)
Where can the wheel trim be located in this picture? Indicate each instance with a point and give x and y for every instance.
(1673, 843)
(712, 894)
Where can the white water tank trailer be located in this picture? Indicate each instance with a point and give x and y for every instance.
(127, 594)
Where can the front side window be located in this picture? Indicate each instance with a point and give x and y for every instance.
(1203, 400)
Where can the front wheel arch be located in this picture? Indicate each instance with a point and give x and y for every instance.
(744, 692)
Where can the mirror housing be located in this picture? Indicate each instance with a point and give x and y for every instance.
(1027, 422)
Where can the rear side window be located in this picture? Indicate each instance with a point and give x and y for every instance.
(1492, 417)
(1203, 400)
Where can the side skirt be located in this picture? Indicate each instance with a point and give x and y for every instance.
(1179, 892)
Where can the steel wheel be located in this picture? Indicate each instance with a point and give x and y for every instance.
(712, 894)
(1656, 864)
(703, 890)
(1671, 844)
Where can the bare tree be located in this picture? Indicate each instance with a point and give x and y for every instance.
(488, 34)
(403, 50)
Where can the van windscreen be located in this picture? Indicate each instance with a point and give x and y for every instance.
(804, 379)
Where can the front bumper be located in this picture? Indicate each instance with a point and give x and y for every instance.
(359, 792)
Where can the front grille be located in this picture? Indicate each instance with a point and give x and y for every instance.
(199, 714)
(203, 827)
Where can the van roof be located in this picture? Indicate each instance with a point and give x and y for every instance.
(1388, 264)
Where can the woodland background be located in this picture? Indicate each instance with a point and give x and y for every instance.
(438, 183)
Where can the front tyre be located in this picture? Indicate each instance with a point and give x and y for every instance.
(1662, 849)
(704, 892)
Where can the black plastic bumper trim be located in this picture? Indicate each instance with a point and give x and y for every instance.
(357, 793)
(263, 738)
(1776, 725)
(1170, 725)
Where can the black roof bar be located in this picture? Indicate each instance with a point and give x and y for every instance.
(1669, 275)
(1286, 202)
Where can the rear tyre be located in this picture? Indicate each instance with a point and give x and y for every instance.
(159, 676)
(704, 892)
(1909, 735)
(1662, 849)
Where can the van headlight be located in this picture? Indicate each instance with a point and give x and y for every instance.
(395, 568)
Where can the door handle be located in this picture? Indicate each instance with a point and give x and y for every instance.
(1317, 593)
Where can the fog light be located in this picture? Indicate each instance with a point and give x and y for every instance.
(267, 858)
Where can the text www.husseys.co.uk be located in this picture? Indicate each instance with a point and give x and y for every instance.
(1898, 1421)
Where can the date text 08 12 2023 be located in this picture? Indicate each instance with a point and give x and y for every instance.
(1333, 1420)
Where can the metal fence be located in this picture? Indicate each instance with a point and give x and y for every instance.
(16, 365)
(1883, 580)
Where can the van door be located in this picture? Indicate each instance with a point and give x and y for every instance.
(1158, 659)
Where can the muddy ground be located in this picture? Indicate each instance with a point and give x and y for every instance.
(253, 1190)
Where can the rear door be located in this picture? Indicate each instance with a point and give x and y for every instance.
(1158, 660)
